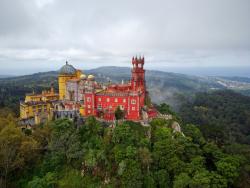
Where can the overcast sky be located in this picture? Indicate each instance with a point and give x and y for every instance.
(40, 35)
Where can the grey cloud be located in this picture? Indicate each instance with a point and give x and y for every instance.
(53, 30)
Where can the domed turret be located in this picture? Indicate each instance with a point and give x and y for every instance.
(66, 73)
(83, 77)
(67, 69)
(91, 77)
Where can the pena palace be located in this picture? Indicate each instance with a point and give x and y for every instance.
(81, 96)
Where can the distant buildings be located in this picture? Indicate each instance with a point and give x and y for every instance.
(80, 96)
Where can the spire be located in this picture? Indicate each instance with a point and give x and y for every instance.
(66, 62)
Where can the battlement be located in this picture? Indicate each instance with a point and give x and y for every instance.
(138, 62)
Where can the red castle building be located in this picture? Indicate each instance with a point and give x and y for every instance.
(84, 94)
(129, 97)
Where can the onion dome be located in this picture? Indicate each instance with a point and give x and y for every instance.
(91, 77)
(67, 69)
(83, 76)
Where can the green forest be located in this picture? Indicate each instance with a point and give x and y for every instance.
(62, 154)
(222, 116)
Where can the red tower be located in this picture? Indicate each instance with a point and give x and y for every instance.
(138, 74)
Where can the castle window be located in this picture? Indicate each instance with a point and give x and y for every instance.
(124, 100)
(99, 99)
(108, 99)
(88, 99)
(116, 100)
(99, 106)
(121, 107)
(133, 108)
(133, 101)
(89, 106)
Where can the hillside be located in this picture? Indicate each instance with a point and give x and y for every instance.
(223, 116)
(167, 87)
(6, 76)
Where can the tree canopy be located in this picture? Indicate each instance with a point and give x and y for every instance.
(129, 155)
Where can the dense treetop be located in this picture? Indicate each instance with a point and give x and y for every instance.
(212, 151)
(61, 154)
(223, 116)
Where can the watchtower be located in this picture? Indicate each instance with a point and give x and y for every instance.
(138, 74)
